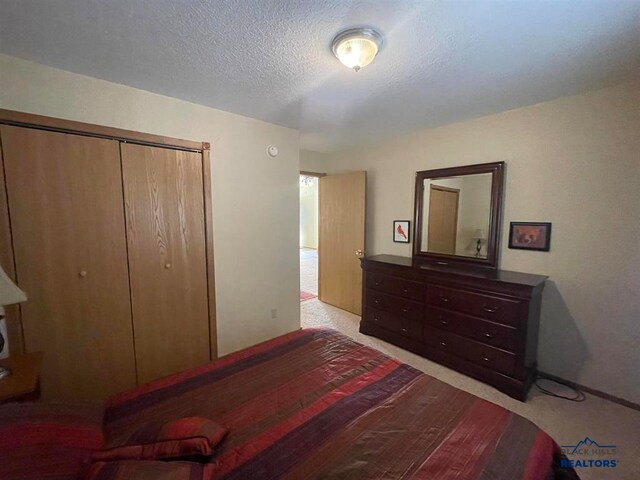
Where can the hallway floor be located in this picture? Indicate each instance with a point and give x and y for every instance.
(309, 270)
(567, 422)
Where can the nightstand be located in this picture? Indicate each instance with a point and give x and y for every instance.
(24, 382)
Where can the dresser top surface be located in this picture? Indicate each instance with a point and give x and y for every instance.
(502, 276)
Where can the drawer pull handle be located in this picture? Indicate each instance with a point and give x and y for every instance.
(490, 309)
(444, 344)
(405, 309)
(444, 299)
(444, 321)
(376, 319)
(486, 359)
(376, 300)
(377, 282)
(488, 335)
(404, 330)
(405, 290)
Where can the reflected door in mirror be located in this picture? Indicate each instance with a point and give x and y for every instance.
(458, 212)
(443, 219)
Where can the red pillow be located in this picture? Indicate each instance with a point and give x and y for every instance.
(176, 438)
(148, 470)
(48, 441)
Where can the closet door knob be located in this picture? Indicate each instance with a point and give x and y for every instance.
(167, 266)
(83, 273)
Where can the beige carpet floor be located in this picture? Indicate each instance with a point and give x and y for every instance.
(309, 270)
(567, 422)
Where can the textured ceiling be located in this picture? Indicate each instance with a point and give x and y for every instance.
(443, 61)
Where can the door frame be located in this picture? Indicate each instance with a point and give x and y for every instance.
(40, 122)
(312, 174)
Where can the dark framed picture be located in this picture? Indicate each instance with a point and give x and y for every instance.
(530, 236)
(401, 231)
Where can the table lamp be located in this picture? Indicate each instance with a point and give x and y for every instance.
(479, 236)
(9, 294)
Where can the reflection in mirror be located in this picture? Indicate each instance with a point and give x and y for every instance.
(457, 214)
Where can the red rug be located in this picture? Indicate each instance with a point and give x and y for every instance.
(306, 296)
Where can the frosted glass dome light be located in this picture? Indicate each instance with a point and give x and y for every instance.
(356, 47)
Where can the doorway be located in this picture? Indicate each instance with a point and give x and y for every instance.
(309, 204)
(332, 238)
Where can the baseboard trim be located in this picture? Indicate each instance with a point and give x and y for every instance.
(593, 391)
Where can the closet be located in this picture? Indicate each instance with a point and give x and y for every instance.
(109, 233)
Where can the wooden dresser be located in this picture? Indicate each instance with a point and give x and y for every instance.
(481, 323)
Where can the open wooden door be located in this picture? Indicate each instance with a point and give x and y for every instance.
(341, 239)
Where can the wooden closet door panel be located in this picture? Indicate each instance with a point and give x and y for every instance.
(167, 258)
(67, 219)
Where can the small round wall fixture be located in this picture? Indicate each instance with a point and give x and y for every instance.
(272, 151)
(357, 47)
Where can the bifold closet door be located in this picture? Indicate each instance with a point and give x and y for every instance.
(68, 227)
(164, 204)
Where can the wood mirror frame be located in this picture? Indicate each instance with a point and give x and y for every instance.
(495, 217)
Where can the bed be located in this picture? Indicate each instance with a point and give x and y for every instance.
(316, 404)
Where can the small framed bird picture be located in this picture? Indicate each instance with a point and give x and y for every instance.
(401, 229)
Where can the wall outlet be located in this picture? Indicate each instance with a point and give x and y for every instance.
(274, 313)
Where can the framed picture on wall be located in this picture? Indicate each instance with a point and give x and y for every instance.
(530, 236)
(401, 229)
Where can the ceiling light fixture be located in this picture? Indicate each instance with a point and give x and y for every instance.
(357, 47)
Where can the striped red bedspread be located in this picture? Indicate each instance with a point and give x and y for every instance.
(316, 404)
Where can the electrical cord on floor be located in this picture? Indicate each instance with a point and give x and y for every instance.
(578, 397)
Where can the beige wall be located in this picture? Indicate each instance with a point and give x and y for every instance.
(309, 214)
(473, 213)
(251, 191)
(313, 161)
(575, 162)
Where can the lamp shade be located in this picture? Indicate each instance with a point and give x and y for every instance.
(9, 292)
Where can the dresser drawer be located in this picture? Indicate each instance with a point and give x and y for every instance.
(399, 306)
(396, 286)
(382, 319)
(393, 323)
(478, 353)
(497, 309)
(491, 333)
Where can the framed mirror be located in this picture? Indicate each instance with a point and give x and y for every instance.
(458, 214)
